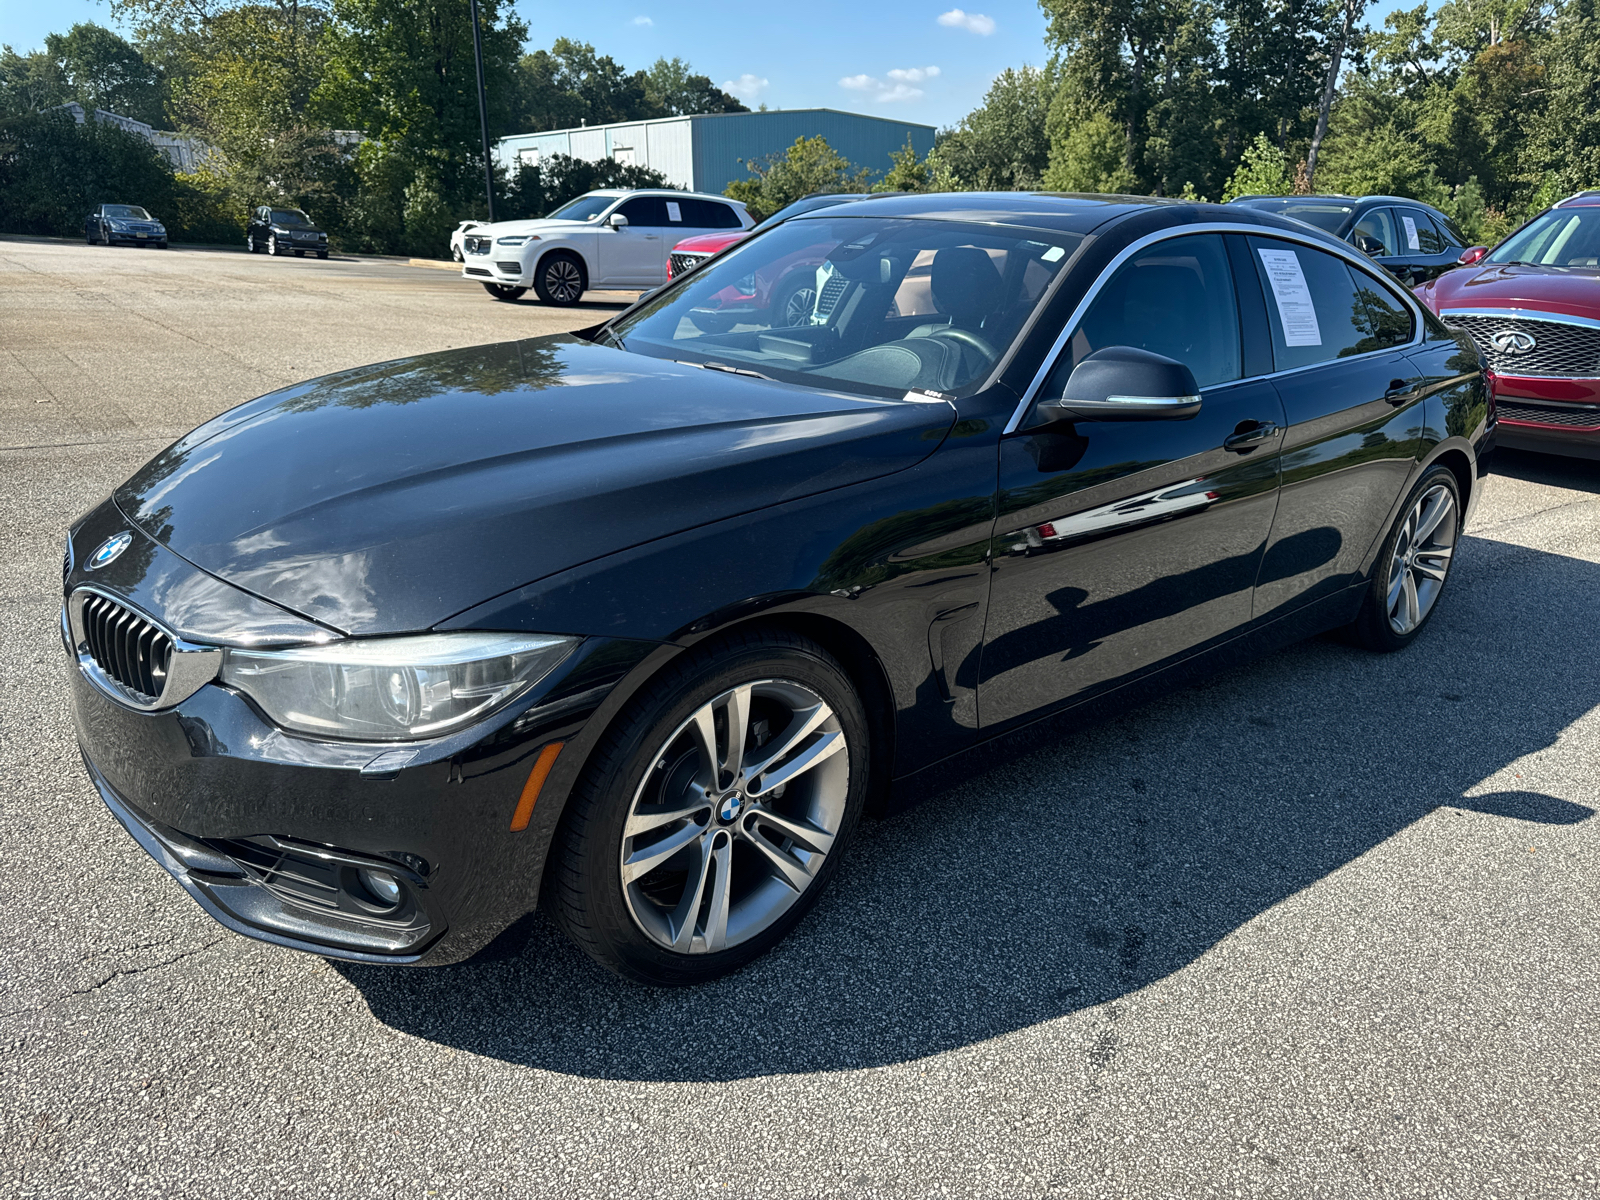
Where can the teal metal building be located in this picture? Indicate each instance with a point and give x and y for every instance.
(703, 153)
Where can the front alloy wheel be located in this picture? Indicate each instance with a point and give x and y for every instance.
(734, 822)
(272, 245)
(559, 280)
(715, 811)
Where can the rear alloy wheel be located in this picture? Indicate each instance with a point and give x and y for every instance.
(1413, 565)
(559, 280)
(714, 814)
(502, 291)
(794, 304)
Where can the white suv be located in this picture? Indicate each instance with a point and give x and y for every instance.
(604, 239)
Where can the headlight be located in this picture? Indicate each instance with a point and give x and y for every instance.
(516, 239)
(393, 688)
(117, 224)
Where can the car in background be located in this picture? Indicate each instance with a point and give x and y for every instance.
(127, 223)
(1413, 241)
(691, 252)
(456, 235)
(1532, 306)
(278, 230)
(610, 239)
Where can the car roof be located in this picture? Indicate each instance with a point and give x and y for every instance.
(1065, 212)
(669, 192)
(1354, 201)
(1588, 198)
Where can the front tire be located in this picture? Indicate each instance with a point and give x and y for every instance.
(686, 851)
(1413, 566)
(501, 291)
(272, 245)
(795, 300)
(560, 280)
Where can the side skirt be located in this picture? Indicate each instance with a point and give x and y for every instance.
(1331, 612)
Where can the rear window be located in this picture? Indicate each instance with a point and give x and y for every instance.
(1329, 215)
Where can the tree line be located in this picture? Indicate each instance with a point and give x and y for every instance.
(1487, 108)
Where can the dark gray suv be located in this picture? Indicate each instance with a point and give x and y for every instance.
(282, 231)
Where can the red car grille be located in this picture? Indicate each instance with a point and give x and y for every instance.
(1574, 416)
(678, 263)
(1557, 348)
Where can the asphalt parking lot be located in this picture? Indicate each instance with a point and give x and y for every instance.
(1322, 926)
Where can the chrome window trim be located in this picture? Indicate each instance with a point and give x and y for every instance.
(1522, 314)
(193, 665)
(1351, 257)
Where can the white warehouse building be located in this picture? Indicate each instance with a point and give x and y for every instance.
(703, 153)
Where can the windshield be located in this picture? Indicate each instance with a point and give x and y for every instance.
(584, 208)
(126, 212)
(290, 216)
(1324, 214)
(809, 204)
(1560, 238)
(859, 304)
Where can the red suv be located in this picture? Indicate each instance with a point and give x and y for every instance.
(1532, 305)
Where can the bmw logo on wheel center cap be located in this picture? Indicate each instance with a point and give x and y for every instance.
(730, 806)
(108, 551)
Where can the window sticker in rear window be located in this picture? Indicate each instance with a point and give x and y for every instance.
(1295, 310)
(674, 213)
(1411, 232)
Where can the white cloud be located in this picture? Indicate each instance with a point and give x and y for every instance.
(643, 21)
(897, 88)
(746, 87)
(971, 22)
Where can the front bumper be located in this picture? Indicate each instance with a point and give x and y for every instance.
(1554, 415)
(481, 268)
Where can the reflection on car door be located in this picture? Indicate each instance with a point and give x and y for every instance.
(1355, 416)
(1125, 545)
(635, 255)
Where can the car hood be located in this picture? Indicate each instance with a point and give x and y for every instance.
(710, 243)
(1571, 290)
(388, 498)
(541, 225)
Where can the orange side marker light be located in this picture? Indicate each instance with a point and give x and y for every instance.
(531, 789)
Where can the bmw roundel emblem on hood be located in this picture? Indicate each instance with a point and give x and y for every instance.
(108, 551)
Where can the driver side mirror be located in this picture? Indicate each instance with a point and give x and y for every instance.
(1124, 383)
(1471, 255)
(617, 221)
(1369, 245)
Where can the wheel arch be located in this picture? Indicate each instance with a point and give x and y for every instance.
(567, 251)
(1455, 456)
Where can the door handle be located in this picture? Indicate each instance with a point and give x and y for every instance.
(1245, 440)
(1401, 390)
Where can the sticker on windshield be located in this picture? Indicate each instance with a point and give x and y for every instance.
(673, 212)
(1411, 232)
(1295, 310)
(1052, 254)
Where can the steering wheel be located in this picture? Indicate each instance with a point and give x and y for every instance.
(967, 338)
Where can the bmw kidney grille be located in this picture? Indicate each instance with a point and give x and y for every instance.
(128, 649)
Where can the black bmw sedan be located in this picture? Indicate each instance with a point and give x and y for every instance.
(641, 621)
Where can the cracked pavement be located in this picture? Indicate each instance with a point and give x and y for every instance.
(1324, 925)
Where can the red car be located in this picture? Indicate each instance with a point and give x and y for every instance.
(1532, 306)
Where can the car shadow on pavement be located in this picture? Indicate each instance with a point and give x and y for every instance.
(1103, 862)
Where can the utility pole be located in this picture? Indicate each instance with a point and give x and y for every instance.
(483, 112)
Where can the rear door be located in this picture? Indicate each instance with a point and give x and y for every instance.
(1123, 545)
(1354, 404)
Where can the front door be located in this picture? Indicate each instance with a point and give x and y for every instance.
(1122, 546)
(634, 256)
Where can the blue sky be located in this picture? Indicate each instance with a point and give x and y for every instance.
(928, 62)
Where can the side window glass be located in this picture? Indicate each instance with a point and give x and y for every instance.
(1389, 322)
(645, 211)
(1174, 298)
(1374, 234)
(1312, 304)
(1430, 238)
(722, 216)
(694, 213)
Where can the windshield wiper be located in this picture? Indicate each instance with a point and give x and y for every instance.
(716, 366)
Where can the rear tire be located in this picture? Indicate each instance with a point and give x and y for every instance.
(1413, 566)
(501, 291)
(671, 869)
(560, 279)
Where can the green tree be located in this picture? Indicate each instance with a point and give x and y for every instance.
(1568, 141)
(810, 165)
(1088, 154)
(908, 174)
(672, 89)
(1002, 144)
(1263, 171)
